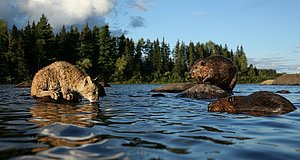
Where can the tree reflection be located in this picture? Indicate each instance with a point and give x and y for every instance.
(48, 113)
(45, 115)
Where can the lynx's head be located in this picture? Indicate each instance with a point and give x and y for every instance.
(89, 89)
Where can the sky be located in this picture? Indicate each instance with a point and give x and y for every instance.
(268, 30)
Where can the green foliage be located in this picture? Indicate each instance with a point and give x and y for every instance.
(3, 50)
(112, 59)
(106, 57)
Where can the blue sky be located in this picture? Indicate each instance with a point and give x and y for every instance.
(269, 30)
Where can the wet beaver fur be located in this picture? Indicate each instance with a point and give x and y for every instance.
(217, 70)
(258, 103)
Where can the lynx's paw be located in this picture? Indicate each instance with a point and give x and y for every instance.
(68, 96)
(54, 95)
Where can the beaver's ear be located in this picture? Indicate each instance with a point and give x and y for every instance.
(231, 99)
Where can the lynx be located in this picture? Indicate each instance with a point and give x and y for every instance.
(63, 81)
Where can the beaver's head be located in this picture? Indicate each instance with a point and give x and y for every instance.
(226, 104)
(200, 70)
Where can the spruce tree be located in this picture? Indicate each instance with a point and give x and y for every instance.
(156, 58)
(44, 42)
(165, 52)
(191, 55)
(3, 50)
(85, 51)
(179, 62)
(106, 57)
(15, 57)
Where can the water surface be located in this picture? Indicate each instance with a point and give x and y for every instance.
(130, 124)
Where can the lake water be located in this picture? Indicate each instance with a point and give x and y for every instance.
(130, 124)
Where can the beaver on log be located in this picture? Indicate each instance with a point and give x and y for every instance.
(217, 70)
(258, 103)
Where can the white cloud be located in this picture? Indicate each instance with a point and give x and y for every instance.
(58, 12)
(280, 64)
(65, 11)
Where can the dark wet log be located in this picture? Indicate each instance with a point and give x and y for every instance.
(203, 91)
(158, 95)
(174, 87)
(283, 91)
(25, 84)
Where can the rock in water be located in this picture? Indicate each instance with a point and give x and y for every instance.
(174, 87)
(288, 79)
(259, 103)
(204, 91)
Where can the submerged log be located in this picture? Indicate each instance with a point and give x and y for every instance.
(204, 91)
(25, 84)
(174, 87)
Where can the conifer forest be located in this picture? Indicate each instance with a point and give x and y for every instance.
(23, 51)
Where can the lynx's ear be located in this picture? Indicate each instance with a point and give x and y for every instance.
(87, 80)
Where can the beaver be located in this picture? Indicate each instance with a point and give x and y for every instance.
(257, 103)
(217, 70)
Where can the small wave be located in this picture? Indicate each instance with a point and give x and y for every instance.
(68, 131)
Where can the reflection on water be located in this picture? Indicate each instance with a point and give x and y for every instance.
(48, 113)
(130, 124)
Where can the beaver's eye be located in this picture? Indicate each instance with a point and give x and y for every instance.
(202, 63)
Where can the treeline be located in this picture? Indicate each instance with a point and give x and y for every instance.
(113, 59)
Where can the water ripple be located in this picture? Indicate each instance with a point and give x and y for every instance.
(130, 124)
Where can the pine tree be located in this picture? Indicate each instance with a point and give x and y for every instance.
(61, 40)
(147, 67)
(16, 58)
(30, 48)
(129, 57)
(106, 57)
(165, 51)
(44, 42)
(139, 49)
(241, 60)
(72, 43)
(3, 51)
(156, 58)
(179, 65)
(199, 51)
(85, 50)
(191, 55)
